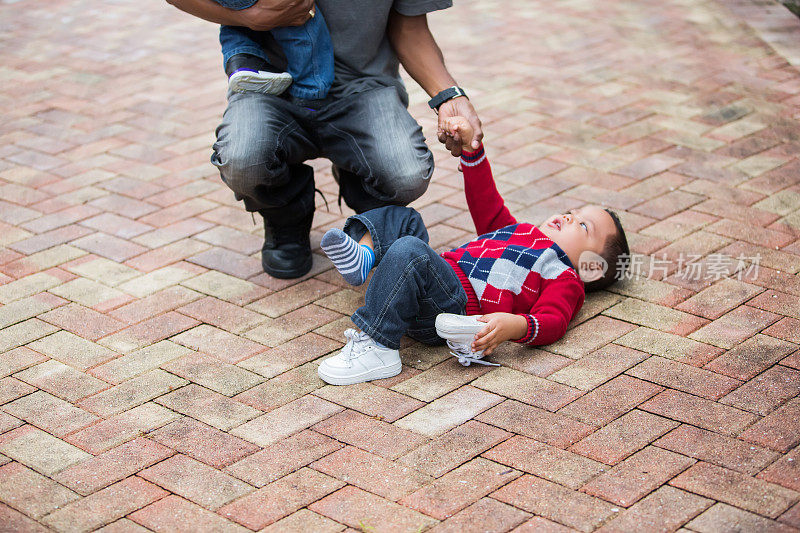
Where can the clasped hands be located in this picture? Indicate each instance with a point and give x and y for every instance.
(455, 112)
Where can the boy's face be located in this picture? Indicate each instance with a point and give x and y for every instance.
(580, 230)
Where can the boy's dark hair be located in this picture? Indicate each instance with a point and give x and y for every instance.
(617, 255)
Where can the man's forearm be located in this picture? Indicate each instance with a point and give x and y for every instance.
(208, 10)
(418, 52)
(421, 57)
(263, 15)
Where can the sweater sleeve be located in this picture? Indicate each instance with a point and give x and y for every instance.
(486, 206)
(559, 302)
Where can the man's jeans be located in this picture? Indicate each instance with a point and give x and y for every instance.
(411, 283)
(308, 50)
(377, 146)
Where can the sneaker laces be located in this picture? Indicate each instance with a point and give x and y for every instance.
(358, 343)
(466, 355)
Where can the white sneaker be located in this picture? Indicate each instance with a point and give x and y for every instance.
(459, 331)
(260, 82)
(361, 359)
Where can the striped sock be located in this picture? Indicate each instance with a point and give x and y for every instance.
(352, 260)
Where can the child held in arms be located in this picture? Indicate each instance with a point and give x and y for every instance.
(515, 282)
(308, 50)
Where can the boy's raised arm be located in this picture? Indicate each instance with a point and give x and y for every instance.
(487, 207)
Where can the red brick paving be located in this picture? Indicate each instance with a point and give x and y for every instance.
(153, 378)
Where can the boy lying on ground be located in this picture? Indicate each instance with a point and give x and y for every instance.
(521, 279)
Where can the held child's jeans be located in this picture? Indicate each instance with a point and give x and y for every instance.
(308, 50)
(411, 283)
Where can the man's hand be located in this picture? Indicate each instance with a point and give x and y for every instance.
(460, 106)
(268, 14)
(264, 15)
(500, 327)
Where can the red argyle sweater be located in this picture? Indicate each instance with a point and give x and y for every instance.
(512, 267)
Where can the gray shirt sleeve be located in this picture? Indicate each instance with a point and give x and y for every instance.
(412, 8)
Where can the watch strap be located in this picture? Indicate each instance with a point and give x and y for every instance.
(445, 95)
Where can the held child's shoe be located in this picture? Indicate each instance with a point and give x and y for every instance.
(459, 331)
(251, 73)
(361, 359)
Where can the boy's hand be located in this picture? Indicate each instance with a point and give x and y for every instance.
(459, 130)
(500, 327)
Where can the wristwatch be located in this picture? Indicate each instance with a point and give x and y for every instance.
(444, 96)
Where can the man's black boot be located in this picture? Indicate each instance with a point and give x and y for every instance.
(286, 253)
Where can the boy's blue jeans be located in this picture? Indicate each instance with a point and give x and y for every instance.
(411, 283)
(308, 50)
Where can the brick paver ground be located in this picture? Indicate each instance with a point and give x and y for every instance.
(153, 378)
